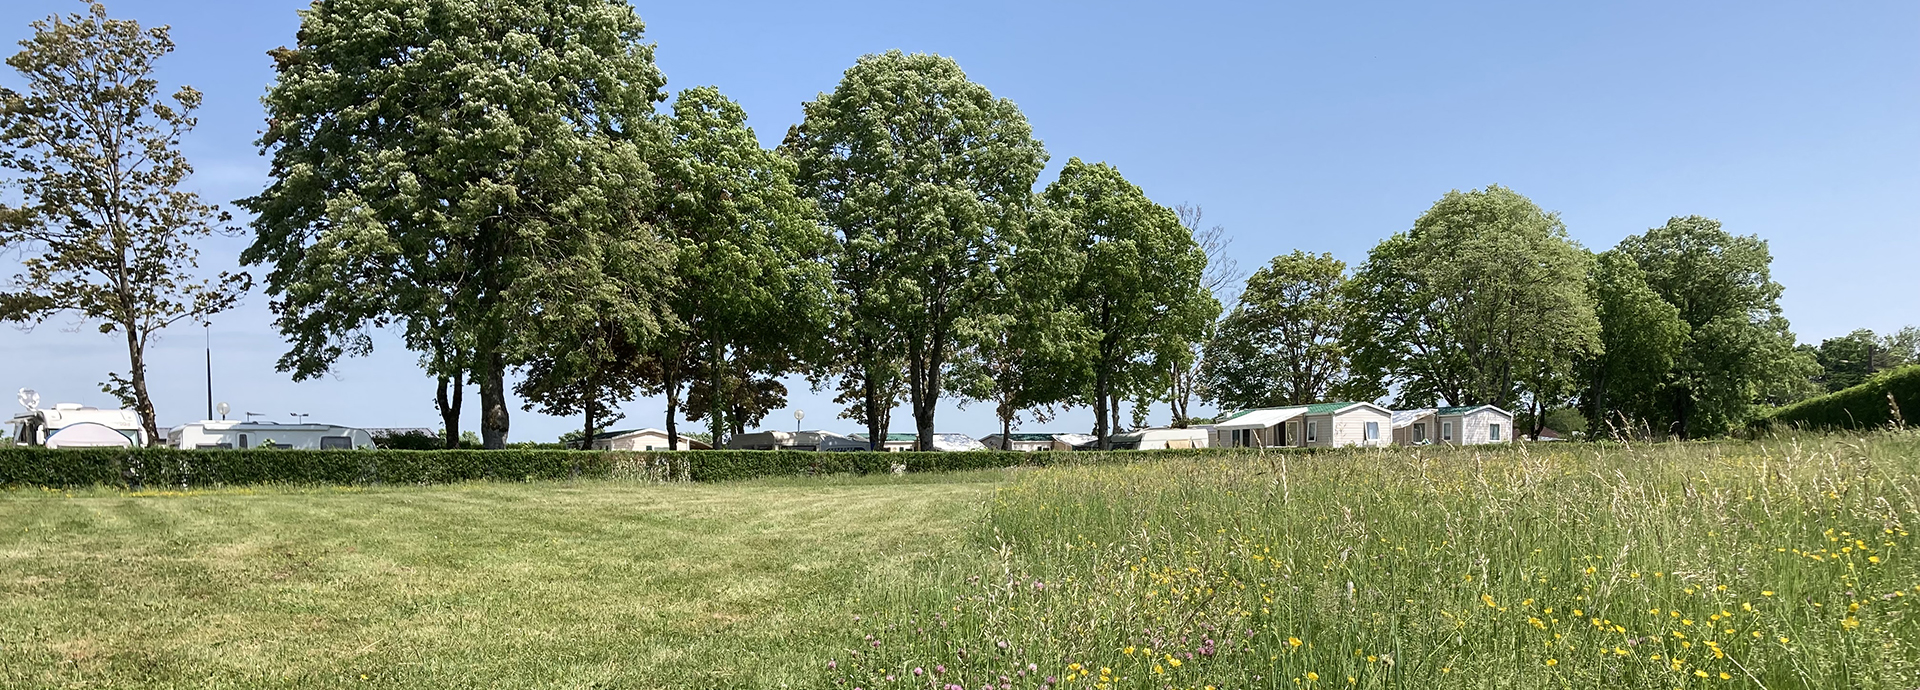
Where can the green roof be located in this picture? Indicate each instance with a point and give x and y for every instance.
(892, 437)
(1461, 409)
(1328, 408)
(1030, 437)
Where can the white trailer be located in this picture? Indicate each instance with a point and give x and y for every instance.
(230, 434)
(72, 425)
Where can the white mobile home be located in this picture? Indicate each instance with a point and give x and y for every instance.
(232, 434)
(1161, 437)
(1473, 425)
(1414, 427)
(786, 440)
(1028, 443)
(1319, 425)
(642, 439)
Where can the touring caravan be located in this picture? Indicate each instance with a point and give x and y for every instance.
(72, 425)
(230, 434)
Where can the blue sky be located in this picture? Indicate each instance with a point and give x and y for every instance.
(1315, 126)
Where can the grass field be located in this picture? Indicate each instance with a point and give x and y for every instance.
(1781, 564)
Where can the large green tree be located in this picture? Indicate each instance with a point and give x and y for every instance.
(925, 177)
(751, 292)
(1134, 277)
(1022, 352)
(441, 164)
(1738, 345)
(1641, 336)
(1281, 344)
(1483, 302)
(92, 150)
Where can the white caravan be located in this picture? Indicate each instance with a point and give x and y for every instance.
(229, 434)
(72, 425)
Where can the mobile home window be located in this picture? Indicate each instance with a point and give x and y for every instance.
(1446, 431)
(336, 443)
(1419, 432)
(1373, 431)
(1493, 432)
(1313, 431)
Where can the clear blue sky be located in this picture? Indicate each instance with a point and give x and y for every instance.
(1315, 126)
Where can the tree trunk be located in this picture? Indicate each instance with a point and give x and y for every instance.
(1006, 432)
(493, 400)
(137, 378)
(589, 398)
(670, 378)
(720, 406)
(1539, 420)
(1100, 429)
(876, 422)
(448, 403)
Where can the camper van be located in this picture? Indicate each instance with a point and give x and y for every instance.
(72, 425)
(229, 434)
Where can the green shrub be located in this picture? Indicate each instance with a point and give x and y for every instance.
(1864, 406)
(172, 468)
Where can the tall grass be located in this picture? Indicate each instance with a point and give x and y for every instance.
(1781, 564)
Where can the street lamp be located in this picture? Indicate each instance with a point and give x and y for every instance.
(797, 416)
(299, 417)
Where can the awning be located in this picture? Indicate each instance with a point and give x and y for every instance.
(1261, 419)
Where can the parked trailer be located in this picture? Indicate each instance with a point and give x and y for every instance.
(71, 425)
(229, 434)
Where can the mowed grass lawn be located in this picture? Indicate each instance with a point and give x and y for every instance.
(1779, 564)
(575, 585)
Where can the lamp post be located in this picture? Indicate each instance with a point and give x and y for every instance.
(797, 416)
(299, 417)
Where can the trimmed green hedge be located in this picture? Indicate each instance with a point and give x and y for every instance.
(171, 468)
(1861, 407)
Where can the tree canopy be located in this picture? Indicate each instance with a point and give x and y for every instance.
(1133, 275)
(1483, 302)
(924, 177)
(451, 165)
(1281, 344)
(1738, 345)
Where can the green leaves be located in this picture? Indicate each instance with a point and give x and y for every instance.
(1281, 344)
(476, 172)
(1132, 273)
(1484, 301)
(925, 177)
(1737, 344)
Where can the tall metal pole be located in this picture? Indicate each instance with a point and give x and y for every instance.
(209, 327)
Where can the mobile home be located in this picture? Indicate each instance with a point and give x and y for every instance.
(1032, 442)
(1161, 437)
(232, 434)
(642, 439)
(1473, 425)
(1319, 425)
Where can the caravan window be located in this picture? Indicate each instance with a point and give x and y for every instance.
(336, 443)
(243, 441)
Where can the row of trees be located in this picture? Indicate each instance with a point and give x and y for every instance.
(1677, 331)
(492, 180)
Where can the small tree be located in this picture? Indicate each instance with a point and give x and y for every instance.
(93, 150)
(1281, 344)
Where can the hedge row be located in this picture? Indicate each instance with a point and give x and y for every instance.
(1865, 406)
(171, 468)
